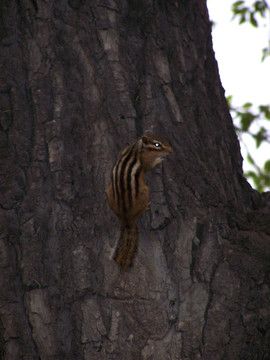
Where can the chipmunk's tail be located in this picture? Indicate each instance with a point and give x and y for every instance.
(126, 246)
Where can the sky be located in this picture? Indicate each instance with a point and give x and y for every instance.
(238, 50)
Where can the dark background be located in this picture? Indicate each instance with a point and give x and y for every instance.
(80, 80)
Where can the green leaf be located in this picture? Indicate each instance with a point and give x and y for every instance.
(267, 167)
(246, 120)
(213, 24)
(237, 4)
(229, 98)
(267, 181)
(250, 174)
(265, 52)
(257, 183)
(252, 19)
(242, 19)
(265, 109)
(236, 7)
(260, 136)
(229, 101)
(260, 7)
(258, 142)
(250, 160)
(247, 105)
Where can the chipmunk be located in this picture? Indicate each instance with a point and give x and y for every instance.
(128, 195)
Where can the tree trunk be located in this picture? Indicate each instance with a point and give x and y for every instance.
(81, 80)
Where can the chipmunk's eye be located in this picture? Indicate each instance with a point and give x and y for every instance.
(157, 145)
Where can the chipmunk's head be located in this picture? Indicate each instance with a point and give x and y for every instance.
(153, 151)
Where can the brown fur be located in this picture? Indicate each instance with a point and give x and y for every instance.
(126, 246)
(125, 200)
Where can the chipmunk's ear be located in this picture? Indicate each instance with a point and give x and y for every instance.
(145, 139)
(140, 143)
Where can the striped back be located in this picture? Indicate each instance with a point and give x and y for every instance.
(125, 177)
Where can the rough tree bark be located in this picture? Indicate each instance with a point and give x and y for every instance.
(79, 81)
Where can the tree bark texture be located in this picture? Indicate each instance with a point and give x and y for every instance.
(79, 81)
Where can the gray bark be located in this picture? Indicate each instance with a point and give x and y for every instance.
(79, 81)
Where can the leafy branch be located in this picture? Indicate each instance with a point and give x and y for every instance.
(250, 15)
(253, 124)
(250, 123)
